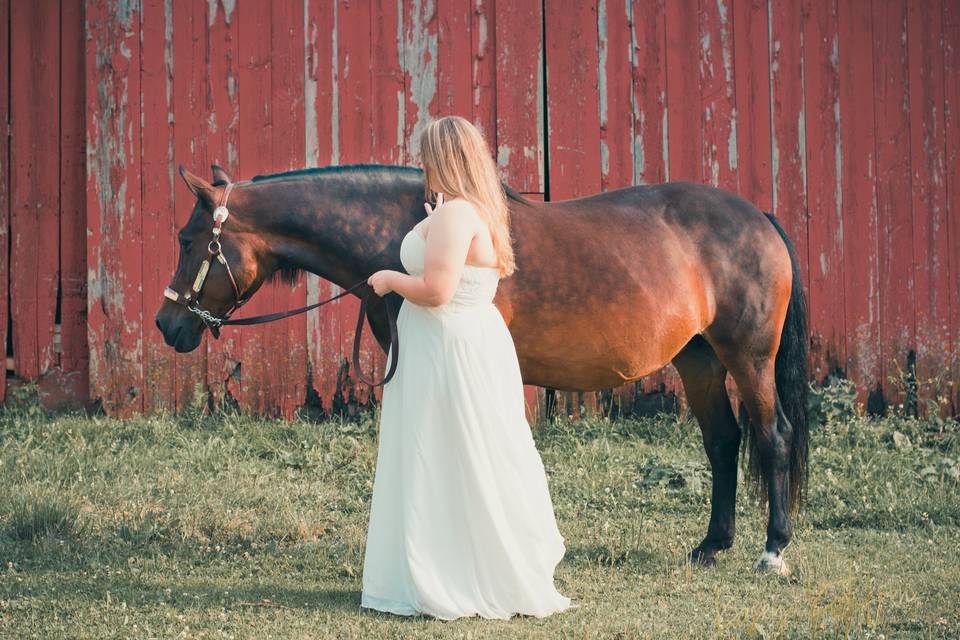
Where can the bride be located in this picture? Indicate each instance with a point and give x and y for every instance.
(461, 521)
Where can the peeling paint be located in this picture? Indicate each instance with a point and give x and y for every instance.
(733, 159)
(503, 155)
(311, 137)
(602, 61)
(419, 57)
(541, 142)
(335, 90)
(228, 8)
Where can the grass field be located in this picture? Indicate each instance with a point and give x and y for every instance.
(232, 527)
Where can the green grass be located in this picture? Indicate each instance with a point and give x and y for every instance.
(236, 527)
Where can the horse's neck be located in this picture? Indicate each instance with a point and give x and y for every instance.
(324, 226)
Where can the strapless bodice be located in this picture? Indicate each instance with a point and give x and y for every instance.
(477, 286)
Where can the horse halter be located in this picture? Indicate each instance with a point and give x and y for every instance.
(191, 299)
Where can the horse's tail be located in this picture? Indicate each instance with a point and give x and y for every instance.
(792, 383)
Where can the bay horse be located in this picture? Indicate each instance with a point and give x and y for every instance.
(608, 288)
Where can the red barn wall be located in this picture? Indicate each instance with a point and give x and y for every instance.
(842, 121)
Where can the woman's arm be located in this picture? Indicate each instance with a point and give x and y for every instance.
(451, 232)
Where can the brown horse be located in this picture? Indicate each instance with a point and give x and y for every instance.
(608, 288)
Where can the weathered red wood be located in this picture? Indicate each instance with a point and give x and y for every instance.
(4, 181)
(930, 233)
(387, 90)
(222, 133)
(323, 148)
(288, 337)
(951, 87)
(861, 282)
(114, 243)
(752, 73)
(157, 197)
(258, 362)
(74, 360)
(518, 142)
(649, 91)
(788, 131)
(355, 84)
(821, 77)
(894, 206)
(615, 89)
(717, 101)
(485, 71)
(454, 55)
(190, 114)
(683, 91)
(573, 116)
(34, 183)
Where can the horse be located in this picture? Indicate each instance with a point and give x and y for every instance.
(608, 288)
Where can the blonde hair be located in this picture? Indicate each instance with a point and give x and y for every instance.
(457, 161)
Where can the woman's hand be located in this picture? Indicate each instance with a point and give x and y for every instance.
(381, 282)
(430, 210)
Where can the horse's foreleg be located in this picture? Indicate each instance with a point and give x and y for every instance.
(773, 435)
(704, 382)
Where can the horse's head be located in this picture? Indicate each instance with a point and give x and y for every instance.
(222, 262)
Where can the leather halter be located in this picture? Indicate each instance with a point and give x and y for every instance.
(191, 299)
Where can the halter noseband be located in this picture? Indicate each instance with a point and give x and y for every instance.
(191, 299)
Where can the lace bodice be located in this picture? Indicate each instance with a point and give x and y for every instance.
(477, 285)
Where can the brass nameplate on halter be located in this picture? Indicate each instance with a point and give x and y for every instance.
(201, 276)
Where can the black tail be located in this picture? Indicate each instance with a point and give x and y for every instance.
(792, 386)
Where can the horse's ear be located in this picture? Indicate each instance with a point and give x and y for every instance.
(220, 177)
(198, 186)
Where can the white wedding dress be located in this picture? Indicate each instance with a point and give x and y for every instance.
(461, 521)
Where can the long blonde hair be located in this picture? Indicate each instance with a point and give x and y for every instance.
(457, 161)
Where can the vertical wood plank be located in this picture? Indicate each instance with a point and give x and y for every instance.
(257, 372)
(518, 142)
(190, 113)
(788, 134)
(113, 206)
(717, 100)
(951, 76)
(683, 91)
(35, 184)
(649, 81)
(861, 282)
(615, 67)
(73, 218)
(572, 106)
(356, 140)
(894, 206)
(930, 233)
(5, 171)
(322, 126)
(573, 119)
(752, 72)
(454, 58)
(485, 71)
(157, 189)
(222, 140)
(288, 337)
(821, 77)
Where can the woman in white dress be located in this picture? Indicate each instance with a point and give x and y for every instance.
(461, 521)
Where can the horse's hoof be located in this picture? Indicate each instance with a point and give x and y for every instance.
(702, 558)
(774, 563)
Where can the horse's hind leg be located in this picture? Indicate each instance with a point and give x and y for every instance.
(704, 381)
(773, 435)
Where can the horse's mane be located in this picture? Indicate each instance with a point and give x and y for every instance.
(291, 275)
(511, 193)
